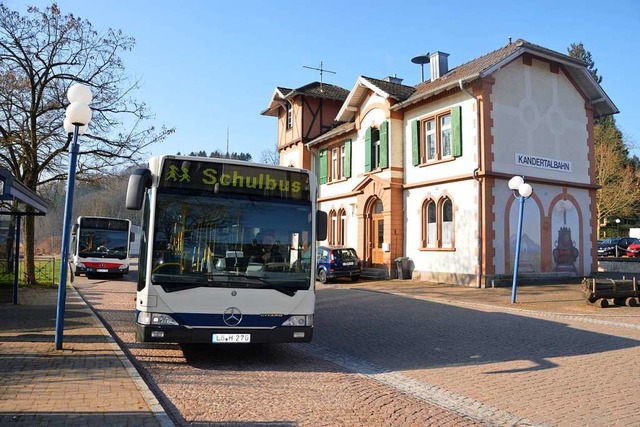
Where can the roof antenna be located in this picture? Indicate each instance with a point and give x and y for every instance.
(322, 70)
(421, 59)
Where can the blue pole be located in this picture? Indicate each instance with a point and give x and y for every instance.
(516, 263)
(16, 261)
(66, 231)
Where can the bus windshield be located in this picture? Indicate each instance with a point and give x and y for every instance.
(231, 240)
(103, 243)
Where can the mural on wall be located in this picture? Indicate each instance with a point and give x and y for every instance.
(530, 249)
(564, 222)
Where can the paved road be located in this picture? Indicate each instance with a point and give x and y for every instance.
(384, 359)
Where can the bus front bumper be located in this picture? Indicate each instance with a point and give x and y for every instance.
(179, 334)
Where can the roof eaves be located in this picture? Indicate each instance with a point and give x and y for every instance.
(336, 131)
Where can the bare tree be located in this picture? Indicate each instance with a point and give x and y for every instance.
(41, 55)
(620, 188)
(270, 157)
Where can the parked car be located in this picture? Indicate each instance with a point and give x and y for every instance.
(608, 246)
(633, 250)
(338, 261)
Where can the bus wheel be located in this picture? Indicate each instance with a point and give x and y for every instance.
(322, 276)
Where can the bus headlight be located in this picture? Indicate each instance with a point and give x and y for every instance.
(299, 320)
(145, 318)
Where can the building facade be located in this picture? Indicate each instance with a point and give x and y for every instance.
(422, 171)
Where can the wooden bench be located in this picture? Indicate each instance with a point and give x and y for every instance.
(621, 291)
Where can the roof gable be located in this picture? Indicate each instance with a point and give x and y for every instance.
(383, 88)
(314, 89)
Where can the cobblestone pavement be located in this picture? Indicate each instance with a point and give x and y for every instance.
(278, 385)
(407, 353)
(550, 357)
(389, 353)
(88, 382)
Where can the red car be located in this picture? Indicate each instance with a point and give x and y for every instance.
(634, 249)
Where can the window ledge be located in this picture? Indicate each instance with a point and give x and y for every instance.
(337, 181)
(437, 249)
(436, 162)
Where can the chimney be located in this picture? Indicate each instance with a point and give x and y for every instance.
(393, 79)
(439, 66)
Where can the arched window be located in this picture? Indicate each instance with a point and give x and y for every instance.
(437, 224)
(333, 227)
(342, 227)
(431, 217)
(447, 223)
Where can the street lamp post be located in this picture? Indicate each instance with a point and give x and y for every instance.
(78, 116)
(617, 233)
(522, 192)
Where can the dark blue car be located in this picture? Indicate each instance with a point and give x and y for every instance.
(338, 261)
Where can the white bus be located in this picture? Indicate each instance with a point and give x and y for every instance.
(227, 251)
(100, 245)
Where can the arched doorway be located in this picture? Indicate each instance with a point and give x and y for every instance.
(375, 235)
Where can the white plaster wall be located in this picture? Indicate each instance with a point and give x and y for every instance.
(463, 259)
(290, 158)
(537, 112)
(349, 205)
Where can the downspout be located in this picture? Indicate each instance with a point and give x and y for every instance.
(476, 177)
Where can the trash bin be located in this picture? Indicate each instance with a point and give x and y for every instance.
(402, 267)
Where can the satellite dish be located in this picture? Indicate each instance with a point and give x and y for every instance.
(421, 59)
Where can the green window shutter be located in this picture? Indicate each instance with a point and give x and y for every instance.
(346, 167)
(456, 131)
(322, 176)
(415, 142)
(367, 150)
(384, 144)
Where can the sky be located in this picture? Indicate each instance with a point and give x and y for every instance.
(209, 68)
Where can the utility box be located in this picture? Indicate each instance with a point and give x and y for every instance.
(402, 267)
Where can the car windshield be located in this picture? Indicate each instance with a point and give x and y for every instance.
(230, 241)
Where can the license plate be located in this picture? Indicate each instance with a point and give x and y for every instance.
(217, 338)
(348, 263)
(102, 270)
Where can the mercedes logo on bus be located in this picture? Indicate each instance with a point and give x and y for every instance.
(232, 316)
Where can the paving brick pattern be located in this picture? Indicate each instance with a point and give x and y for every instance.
(85, 383)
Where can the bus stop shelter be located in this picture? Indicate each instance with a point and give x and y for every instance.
(15, 201)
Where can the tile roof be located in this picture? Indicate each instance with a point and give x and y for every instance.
(323, 90)
(397, 91)
(468, 69)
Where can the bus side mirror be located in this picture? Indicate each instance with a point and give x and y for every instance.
(132, 236)
(321, 225)
(139, 181)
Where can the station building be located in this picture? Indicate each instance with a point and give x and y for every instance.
(421, 172)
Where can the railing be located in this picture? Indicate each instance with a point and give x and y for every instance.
(46, 269)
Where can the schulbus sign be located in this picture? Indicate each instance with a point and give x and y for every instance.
(234, 178)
